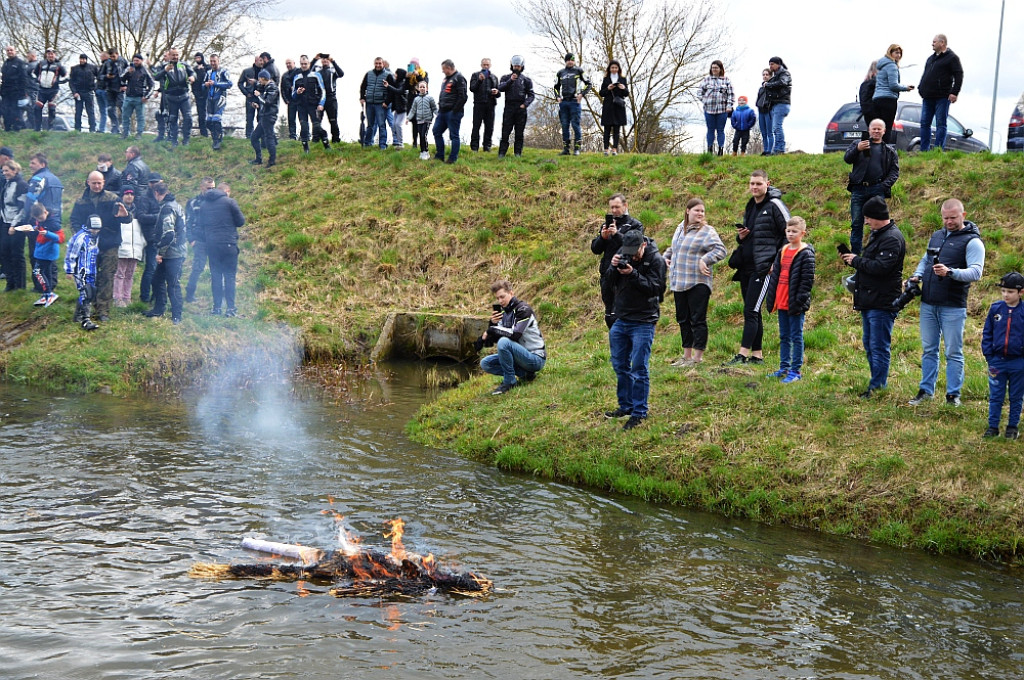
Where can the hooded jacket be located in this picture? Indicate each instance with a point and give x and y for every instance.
(220, 218)
(767, 224)
(170, 221)
(887, 82)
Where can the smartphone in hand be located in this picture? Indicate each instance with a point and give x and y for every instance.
(843, 248)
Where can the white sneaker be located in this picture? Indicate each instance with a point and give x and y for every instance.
(40, 302)
(51, 299)
(424, 155)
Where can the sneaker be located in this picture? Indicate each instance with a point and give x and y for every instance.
(153, 314)
(618, 413)
(921, 397)
(682, 362)
(755, 360)
(737, 360)
(634, 421)
(40, 302)
(866, 394)
(215, 312)
(994, 432)
(1011, 433)
(89, 325)
(231, 313)
(952, 400)
(791, 377)
(503, 388)
(50, 299)
(781, 373)
(176, 320)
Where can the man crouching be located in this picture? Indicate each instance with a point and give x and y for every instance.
(515, 331)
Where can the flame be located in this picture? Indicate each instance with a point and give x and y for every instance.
(397, 528)
(301, 590)
(429, 564)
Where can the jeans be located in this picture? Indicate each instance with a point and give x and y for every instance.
(858, 196)
(937, 109)
(115, 100)
(630, 343)
(569, 114)
(223, 268)
(949, 323)
(133, 104)
(85, 102)
(198, 265)
(450, 121)
(376, 121)
(764, 120)
(716, 125)
(791, 341)
(101, 108)
(167, 284)
(692, 316)
(396, 130)
(1005, 374)
(876, 325)
(511, 361)
(779, 113)
(146, 284)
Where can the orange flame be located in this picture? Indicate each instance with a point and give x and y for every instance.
(395, 534)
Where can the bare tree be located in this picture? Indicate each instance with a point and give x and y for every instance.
(133, 26)
(664, 47)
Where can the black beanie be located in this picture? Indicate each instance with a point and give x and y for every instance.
(876, 208)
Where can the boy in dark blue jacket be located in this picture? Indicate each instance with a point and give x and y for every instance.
(743, 118)
(1002, 343)
(48, 237)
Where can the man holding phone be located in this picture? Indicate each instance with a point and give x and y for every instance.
(515, 331)
(97, 201)
(876, 167)
(617, 222)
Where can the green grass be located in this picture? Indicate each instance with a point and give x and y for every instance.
(402, 234)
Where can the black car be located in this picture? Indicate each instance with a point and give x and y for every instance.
(1015, 135)
(847, 125)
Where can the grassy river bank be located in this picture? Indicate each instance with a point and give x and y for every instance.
(335, 241)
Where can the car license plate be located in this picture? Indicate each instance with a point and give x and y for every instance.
(851, 135)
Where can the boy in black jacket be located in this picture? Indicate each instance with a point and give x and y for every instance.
(789, 293)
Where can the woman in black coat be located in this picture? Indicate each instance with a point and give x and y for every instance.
(13, 187)
(613, 105)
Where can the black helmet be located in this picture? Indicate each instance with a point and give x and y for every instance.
(1012, 280)
(517, 61)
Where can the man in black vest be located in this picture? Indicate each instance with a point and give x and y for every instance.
(955, 258)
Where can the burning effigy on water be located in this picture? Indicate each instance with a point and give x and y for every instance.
(356, 570)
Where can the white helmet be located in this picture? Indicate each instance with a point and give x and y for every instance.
(517, 61)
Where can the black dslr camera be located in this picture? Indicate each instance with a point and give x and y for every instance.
(910, 291)
(625, 261)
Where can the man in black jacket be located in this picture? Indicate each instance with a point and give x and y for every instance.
(879, 276)
(617, 223)
(939, 87)
(778, 90)
(307, 89)
(247, 84)
(13, 89)
(219, 220)
(518, 90)
(286, 88)
(637, 274)
(514, 330)
(110, 73)
(330, 73)
(98, 201)
(82, 81)
(111, 175)
(136, 87)
(451, 105)
(761, 235)
(484, 86)
(199, 90)
(876, 167)
(375, 98)
(571, 86)
(175, 80)
(196, 238)
(48, 77)
(267, 98)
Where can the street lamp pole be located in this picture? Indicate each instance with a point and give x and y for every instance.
(995, 86)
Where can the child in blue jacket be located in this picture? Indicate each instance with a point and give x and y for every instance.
(1002, 343)
(743, 119)
(48, 237)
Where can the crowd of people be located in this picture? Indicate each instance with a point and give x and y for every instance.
(122, 218)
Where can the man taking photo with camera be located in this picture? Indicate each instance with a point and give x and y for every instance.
(955, 259)
(514, 329)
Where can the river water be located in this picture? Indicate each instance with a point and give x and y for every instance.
(107, 502)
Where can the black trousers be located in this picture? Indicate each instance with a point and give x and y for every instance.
(753, 327)
(115, 100)
(293, 115)
(167, 285)
(740, 139)
(87, 101)
(692, 316)
(14, 118)
(331, 112)
(176, 105)
(512, 120)
(201, 115)
(250, 117)
(483, 114)
(223, 268)
(12, 254)
(264, 137)
(307, 119)
(198, 265)
(885, 109)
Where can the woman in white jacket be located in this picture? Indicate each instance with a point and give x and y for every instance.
(129, 254)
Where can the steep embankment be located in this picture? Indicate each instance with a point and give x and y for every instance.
(337, 241)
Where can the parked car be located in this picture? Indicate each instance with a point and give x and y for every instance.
(847, 125)
(1015, 135)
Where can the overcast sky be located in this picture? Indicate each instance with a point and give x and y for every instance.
(827, 46)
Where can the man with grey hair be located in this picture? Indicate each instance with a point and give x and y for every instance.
(876, 167)
(451, 105)
(940, 85)
(955, 258)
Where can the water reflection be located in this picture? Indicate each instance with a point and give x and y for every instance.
(107, 502)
